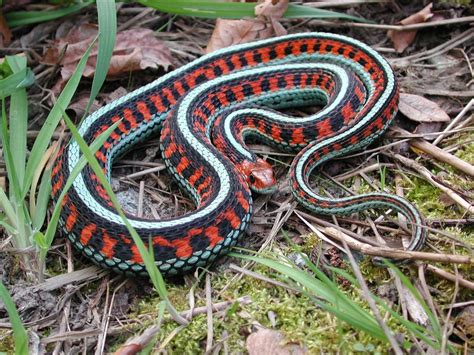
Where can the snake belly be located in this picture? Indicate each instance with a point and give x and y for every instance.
(203, 112)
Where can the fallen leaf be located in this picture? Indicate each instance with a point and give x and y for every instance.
(5, 33)
(135, 49)
(79, 105)
(402, 39)
(230, 32)
(116, 94)
(266, 25)
(446, 200)
(465, 323)
(425, 128)
(267, 341)
(419, 109)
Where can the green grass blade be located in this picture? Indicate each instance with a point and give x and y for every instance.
(148, 258)
(10, 84)
(335, 302)
(19, 332)
(236, 10)
(418, 330)
(406, 282)
(48, 236)
(39, 214)
(7, 207)
(301, 11)
(21, 18)
(14, 191)
(51, 122)
(18, 120)
(7, 227)
(107, 35)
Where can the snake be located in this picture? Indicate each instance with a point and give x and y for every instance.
(204, 113)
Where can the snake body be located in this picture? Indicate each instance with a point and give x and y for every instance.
(203, 113)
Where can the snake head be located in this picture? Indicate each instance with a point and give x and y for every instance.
(259, 175)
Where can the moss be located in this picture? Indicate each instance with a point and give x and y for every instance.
(296, 315)
(7, 343)
(428, 199)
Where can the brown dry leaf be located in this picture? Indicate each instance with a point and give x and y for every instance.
(267, 341)
(5, 33)
(135, 49)
(79, 105)
(419, 109)
(266, 25)
(402, 39)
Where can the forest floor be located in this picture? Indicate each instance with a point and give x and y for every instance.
(237, 306)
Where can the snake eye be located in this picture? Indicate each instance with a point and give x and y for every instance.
(252, 179)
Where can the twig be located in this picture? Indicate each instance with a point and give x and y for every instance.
(443, 47)
(444, 340)
(455, 121)
(210, 325)
(370, 300)
(216, 307)
(71, 335)
(428, 176)
(396, 253)
(141, 193)
(439, 153)
(145, 172)
(415, 26)
(448, 276)
(261, 277)
(138, 343)
(88, 274)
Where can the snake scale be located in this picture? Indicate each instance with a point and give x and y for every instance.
(203, 113)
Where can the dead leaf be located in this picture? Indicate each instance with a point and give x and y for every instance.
(446, 200)
(419, 109)
(5, 33)
(79, 105)
(267, 341)
(266, 25)
(135, 49)
(465, 322)
(402, 39)
(116, 94)
(425, 128)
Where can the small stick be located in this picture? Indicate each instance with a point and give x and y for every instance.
(210, 325)
(448, 276)
(454, 122)
(415, 26)
(145, 172)
(396, 253)
(439, 153)
(141, 193)
(428, 176)
(258, 276)
(138, 343)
